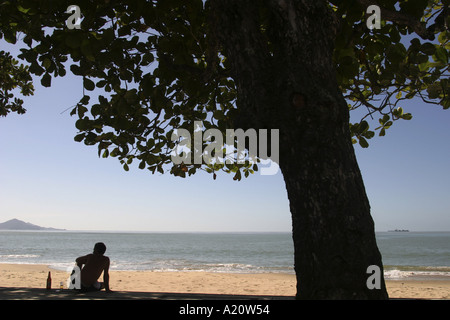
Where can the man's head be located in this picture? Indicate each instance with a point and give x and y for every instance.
(100, 248)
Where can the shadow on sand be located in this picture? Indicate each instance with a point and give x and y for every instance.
(43, 294)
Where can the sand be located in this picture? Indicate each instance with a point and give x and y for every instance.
(35, 276)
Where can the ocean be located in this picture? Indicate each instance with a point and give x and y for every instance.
(413, 255)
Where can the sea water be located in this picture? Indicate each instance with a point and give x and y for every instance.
(419, 255)
(212, 252)
(405, 254)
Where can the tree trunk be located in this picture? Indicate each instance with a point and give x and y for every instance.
(281, 57)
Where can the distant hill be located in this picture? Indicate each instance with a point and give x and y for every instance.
(15, 224)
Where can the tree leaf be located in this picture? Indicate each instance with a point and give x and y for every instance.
(363, 142)
(428, 48)
(441, 55)
(46, 80)
(73, 39)
(88, 84)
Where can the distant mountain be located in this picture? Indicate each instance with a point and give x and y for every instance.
(15, 224)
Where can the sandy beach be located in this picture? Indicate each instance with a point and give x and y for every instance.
(34, 276)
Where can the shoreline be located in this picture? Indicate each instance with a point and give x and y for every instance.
(199, 282)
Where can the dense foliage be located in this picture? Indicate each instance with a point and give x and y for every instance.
(155, 66)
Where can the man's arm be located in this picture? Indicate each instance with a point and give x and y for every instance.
(80, 261)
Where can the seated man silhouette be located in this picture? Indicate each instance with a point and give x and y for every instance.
(94, 264)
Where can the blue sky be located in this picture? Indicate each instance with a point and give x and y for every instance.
(48, 179)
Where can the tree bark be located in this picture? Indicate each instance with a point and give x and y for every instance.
(281, 57)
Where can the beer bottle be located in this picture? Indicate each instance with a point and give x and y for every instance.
(49, 281)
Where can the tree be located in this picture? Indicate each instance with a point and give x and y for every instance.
(297, 66)
(13, 76)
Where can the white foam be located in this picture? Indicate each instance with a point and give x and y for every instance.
(396, 274)
(18, 256)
